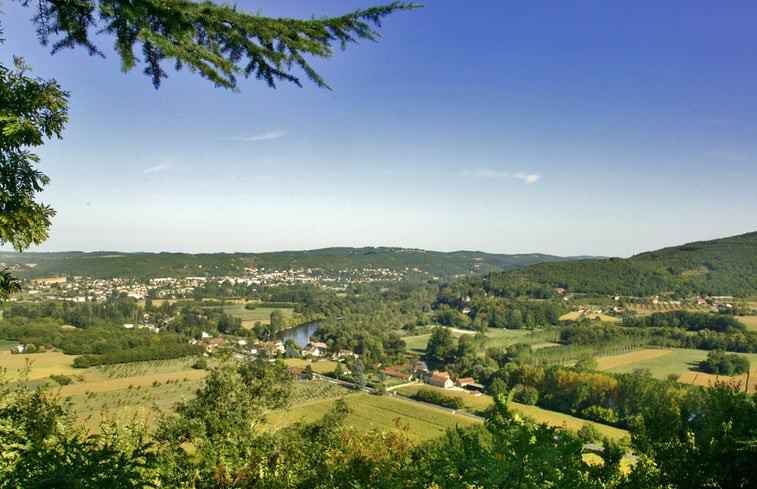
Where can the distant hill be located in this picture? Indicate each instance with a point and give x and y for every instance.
(726, 266)
(415, 262)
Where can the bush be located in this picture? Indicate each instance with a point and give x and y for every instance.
(528, 395)
(435, 397)
(589, 433)
(601, 414)
(61, 379)
(721, 363)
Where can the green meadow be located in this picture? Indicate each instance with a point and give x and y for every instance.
(250, 316)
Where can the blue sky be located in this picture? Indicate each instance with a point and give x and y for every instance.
(604, 128)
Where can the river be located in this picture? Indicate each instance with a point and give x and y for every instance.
(301, 334)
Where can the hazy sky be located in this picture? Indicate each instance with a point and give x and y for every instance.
(604, 128)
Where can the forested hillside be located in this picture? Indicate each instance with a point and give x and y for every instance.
(329, 260)
(725, 266)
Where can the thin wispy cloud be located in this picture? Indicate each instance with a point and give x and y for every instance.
(266, 136)
(166, 165)
(528, 178)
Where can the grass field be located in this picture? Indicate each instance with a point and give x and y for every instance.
(319, 367)
(42, 364)
(495, 338)
(476, 404)
(250, 316)
(667, 306)
(701, 378)
(147, 401)
(377, 412)
(575, 315)
(678, 362)
(111, 390)
(615, 361)
(6, 345)
(749, 321)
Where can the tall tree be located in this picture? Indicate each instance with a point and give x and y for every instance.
(440, 345)
(31, 110)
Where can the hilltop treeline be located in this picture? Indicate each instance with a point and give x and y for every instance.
(720, 267)
(690, 321)
(143, 266)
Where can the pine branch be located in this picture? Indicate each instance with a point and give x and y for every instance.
(215, 40)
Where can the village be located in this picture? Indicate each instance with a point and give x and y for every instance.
(86, 289)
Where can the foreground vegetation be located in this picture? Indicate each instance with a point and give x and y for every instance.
(218, 438)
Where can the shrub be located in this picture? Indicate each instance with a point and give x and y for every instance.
(435, 397)
(61, 379)
(721, 363)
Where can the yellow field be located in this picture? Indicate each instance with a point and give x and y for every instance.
(750, 321)
(42, 364)
(606, 363)
(319, 367)
(701, 378)
(108, 385)
(111, 390)
(666, 306)
(547, 344)
(576, 315)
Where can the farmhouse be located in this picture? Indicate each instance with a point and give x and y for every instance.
(315, 349)
(404, 372)
(298, 373)
(440, 379)
(344, 354)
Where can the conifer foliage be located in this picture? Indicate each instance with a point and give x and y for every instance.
(216, 40)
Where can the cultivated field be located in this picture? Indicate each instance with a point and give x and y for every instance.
(683, 363)
(42, 364)
(319, 367)
(615, 361)
(250, 316)
(576, 315)
(113, 390)
(477, 404)
(701, 378)
(369, 412)
(667, 306)
(749, 321)
(495, 338)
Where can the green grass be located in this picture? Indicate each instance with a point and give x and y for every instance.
(416, 343)
(500, 338)
(136, 369)
(378, 412)
(749, 321)
(319, 367)
(250, 316)
(477, 404)
(678, 362)
(145, 402)
(6, 345)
